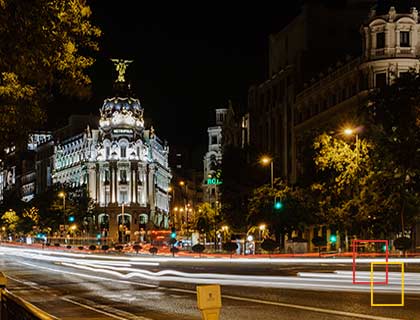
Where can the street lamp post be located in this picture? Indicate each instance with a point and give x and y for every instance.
(62, 194)
(183, 184)
(123, 224)
(265, 161)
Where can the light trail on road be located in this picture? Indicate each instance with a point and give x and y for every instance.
(215, 260)
(131, 268)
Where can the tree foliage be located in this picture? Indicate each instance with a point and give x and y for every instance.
(10, 219)
(44, 51)
(345, 167)
(393, 115)
(205, 219)
(298, 208)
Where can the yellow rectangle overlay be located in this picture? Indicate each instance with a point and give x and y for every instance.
(372, 264)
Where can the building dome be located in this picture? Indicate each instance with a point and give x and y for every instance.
(121, 105)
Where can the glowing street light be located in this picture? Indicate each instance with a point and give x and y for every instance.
(348, 131)
(62, 194)
(265, 160)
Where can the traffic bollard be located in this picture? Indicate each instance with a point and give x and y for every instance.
(209, 301)
(2, 286)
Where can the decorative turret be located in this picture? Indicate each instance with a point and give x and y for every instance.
(122, 112)
(391, 35)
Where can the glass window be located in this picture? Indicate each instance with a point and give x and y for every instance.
(123, 197)
(213, 139)
(380, 40)
(107, 176)
(123, 176)
(404, 39)
(123, 151)
(107, 152)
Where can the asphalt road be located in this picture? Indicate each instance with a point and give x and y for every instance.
(93, 287)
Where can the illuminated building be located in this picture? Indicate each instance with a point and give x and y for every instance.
(123, 164)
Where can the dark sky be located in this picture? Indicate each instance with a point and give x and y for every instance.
(189, 58)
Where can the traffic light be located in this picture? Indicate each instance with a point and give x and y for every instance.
(333, 238)
(277, 203)
(71, 219)
(173, 233)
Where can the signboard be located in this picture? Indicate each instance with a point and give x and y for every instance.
(213, 181)
(122, 131)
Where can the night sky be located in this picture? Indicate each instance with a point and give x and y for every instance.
(188, 60)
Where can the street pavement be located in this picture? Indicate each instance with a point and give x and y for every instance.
(86, 286)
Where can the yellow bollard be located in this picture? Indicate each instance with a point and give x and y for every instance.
(209, 301)
(3, 283)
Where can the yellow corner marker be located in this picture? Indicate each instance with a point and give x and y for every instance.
(209, 301)
(402, 285)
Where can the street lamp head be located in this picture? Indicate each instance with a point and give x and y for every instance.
(265, 160)
(348, 131)
(170, 189)
(61, 194)
(262, 227)
(182, 183)
(176, 209)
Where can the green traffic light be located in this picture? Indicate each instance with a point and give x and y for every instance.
(173, 235)
(333, 238)
(278, 205)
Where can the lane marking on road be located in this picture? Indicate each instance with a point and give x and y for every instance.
(116, 313)
(295, 306)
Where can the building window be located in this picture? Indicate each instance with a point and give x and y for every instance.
(123, 151)
(213, 139)
(380, 80)
(404, 39)
(107, 152)
(380, 40)
(123, 176)
(123, 197)
(106, 176)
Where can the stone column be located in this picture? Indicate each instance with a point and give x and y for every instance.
(98, 183)
(131, 184)
(115, 183)
(111, 179)
(92, 180)
(134, 179)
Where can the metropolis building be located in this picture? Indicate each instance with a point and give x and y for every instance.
(123, 164)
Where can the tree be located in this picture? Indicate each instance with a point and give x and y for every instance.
(11, 219)
(30, 219)
(205, 219)
(344, 169)
(393, 115)
(296, 212)
(43, 54)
